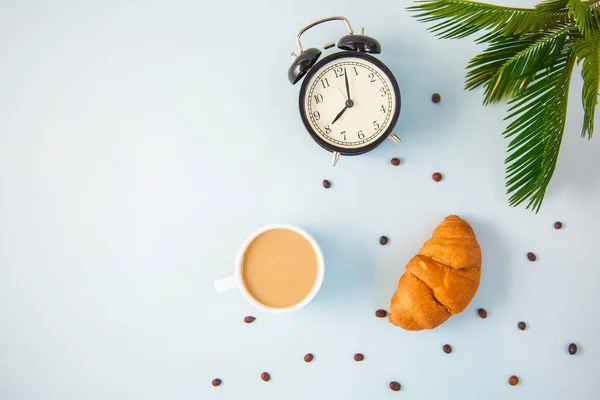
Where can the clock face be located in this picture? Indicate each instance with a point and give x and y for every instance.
(349, 102)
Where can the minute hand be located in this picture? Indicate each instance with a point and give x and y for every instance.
(347, 85)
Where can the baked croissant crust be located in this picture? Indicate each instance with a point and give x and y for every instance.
(441, 280)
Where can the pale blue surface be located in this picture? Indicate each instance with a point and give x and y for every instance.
(140, 142)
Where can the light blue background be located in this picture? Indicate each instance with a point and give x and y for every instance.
(141, 141)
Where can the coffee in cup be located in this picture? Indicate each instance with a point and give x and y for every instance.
(279, 268)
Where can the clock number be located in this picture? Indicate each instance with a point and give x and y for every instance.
(375, 125)
(318, 98)
(382, 90)
(339, 71)
(382, 109)
(355, 71)
(327, 129)
(372, 77)
(361, 135)
(343, 133)
(317, 115)
(325, 83)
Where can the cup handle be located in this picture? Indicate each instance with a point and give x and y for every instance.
(225, 284)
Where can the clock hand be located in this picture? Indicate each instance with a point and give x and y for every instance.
(339, 115)
(349, 102)
(347, 85)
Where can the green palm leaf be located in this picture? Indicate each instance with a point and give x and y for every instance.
(551, 5)
(538, 115)
(509, 63)
(462, 18)
(587, 51)
(529, 60)
(585, 15)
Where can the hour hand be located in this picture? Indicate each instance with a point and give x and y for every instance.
(339, 115)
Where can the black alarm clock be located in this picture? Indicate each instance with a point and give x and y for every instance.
(349, 100)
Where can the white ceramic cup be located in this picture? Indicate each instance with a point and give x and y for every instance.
(235, 281)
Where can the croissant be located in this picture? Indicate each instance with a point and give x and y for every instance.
(441, 280)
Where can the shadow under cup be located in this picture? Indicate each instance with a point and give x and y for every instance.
(281, 268)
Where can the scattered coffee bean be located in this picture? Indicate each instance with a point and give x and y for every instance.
(326, 184)
(381, 313)
(359, 357)
(395, 386)
(482, 313)
(395, 161)
(513, 380)
(437, 176)
(522, 325)
(249, 319)
(447, 349)
(383, 240)
(531, 257)
(265, 376)
(557, 225)
(436, 98)
(308, 358)
(572, 348)
(216, 382)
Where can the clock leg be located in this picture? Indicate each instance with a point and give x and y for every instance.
(336, 157)
(395, 138)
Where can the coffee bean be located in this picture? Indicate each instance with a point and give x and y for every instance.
(513, 380)
(482, 313)
(381, 313)
(308, 358)
(395, 161)
(437, 176)
(359, 357)
(447, 349)
(395, 386)
(326, 184)
(531, 257)
(572, 348)
(522, 325)
(436, 98)
(265, 376)
(557, 225)
(383, 240)
(249, 319)
(216, 382)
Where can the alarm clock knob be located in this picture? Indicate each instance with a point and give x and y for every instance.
(302, 64)
(362, 43)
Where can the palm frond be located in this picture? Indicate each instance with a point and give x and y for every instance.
(587, 51)
(462, 18)
(551, 5)
(538, 114)
(585, 16)
(510, 63)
